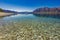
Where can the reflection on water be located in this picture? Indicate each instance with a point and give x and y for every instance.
(31, 17)
(47, 15)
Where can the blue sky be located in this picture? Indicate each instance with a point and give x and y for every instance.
(27, 5)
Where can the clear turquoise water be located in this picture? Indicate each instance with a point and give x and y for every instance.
(29, 17)
(28, 24)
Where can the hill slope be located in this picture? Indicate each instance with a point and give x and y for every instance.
(47, 10)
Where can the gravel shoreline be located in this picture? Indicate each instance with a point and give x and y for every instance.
(5, 14)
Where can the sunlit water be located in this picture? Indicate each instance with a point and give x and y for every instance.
(39, 26)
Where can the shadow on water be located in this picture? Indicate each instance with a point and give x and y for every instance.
(47, 15)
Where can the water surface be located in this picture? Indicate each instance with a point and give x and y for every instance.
(28, 26)
(30, 17)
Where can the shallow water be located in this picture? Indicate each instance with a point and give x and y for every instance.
(30, 26)
(30, 17)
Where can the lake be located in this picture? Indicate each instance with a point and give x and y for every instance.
(29, 26)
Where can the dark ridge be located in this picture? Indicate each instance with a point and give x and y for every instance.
(47, 10)
(1, 10)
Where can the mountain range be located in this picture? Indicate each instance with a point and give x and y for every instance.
(47, 10)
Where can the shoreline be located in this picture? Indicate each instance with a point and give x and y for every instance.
(2, 14)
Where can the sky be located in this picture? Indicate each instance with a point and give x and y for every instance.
(27, 5)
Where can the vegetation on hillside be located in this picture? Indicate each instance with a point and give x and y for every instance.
(1, 10)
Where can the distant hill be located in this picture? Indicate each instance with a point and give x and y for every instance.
(15, 12)
(47, 10)
(4, 13)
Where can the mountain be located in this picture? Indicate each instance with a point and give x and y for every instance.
(47, 10)
(15, 12)
(9, 12)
